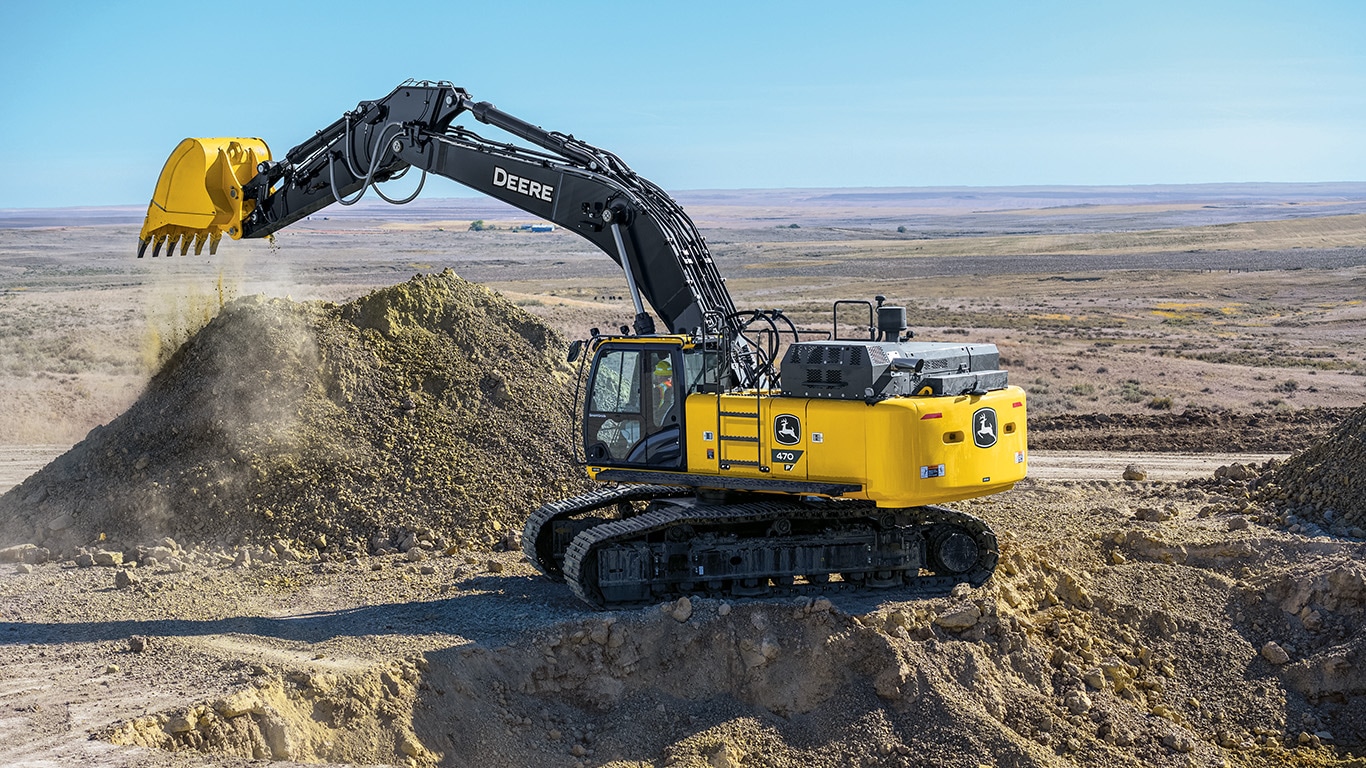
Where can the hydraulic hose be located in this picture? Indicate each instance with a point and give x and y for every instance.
(369, 178)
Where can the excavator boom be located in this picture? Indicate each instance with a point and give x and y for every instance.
(213, 186)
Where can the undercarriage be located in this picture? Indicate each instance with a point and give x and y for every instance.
(612, 552)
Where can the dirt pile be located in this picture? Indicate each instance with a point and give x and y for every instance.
(426, 410)
(1326, 483)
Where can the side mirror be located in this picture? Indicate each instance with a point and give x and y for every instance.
(575, 349)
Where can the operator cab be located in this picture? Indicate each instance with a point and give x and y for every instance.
(634, 414)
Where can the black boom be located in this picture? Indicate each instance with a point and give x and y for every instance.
(582, 188)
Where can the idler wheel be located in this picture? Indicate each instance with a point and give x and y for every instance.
(953, 550)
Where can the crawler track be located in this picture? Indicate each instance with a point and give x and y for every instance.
(680, 546)
(557, 520)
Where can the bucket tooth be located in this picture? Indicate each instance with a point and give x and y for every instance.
(156, 247)
(185, 243)
(214, 237)
(199, 238)
(142, 245)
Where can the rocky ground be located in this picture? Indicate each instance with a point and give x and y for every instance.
(1129, 623)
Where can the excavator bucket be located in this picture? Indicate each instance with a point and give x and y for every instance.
(199, 195)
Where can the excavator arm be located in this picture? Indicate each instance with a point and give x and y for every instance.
(233, 186)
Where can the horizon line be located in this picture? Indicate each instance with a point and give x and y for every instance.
(475, 195)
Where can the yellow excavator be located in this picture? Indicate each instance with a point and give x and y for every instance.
(734, 457)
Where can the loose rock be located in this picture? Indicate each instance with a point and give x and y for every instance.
(960, 619)
(1178, 741)
(1077, 703)
(682, 609)
(108, 559)
(17, 554)
(1275, 654)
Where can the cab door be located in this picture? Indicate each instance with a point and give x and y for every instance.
(632, 415)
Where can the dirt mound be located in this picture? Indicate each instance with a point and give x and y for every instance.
(432, 408)
(1326, 483)
(1194, 430)
(301, 716)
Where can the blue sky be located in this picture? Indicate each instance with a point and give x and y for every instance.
(705, 94)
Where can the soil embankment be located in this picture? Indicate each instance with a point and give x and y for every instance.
(1194, 430)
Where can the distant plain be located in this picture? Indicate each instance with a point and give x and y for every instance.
(1102, 299)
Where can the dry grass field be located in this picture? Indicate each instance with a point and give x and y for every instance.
(1249, 315)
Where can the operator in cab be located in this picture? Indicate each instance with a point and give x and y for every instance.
(663, 392)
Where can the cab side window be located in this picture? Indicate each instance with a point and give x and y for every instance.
(614, 388)
(662, 396)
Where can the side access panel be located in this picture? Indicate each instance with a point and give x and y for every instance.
(703, 447)
(837, 433)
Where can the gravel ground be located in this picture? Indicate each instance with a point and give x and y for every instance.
(1130, 623)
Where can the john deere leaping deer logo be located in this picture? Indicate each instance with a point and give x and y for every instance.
(984, 427)
(787, 429)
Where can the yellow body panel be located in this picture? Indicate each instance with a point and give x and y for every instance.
(198, 196)
(902, 452)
